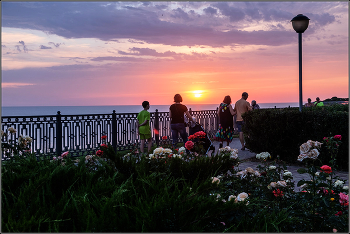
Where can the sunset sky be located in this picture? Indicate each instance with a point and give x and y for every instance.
(122, 53)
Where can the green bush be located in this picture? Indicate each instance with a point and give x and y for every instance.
(281, 131)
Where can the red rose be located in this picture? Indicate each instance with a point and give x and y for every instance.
(337, 137)
(326, 169)
(103, 137)
(189, 145)
(164, 138)
(103, 145)
(200, 134)
(99, 153)
(339, 213)
(277, 193)
(191, 137)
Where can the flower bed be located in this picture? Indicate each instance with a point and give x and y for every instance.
(170, 191)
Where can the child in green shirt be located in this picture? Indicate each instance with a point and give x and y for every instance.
(143, 127)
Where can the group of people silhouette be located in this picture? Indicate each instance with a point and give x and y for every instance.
(318, 103)
(180, 117)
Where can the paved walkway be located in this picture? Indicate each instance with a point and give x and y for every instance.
(245, 154)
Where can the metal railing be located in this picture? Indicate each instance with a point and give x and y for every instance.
(78, 134)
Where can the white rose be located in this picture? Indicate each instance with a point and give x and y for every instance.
(304, 148)
(288, 173)
(242, 174)
(234, 155)
(317, 173)
(29, 139)
(242, 196)
(282, 183)
(301, 157)
(263, 155)
(249, 170)
(182, 150)
(272, 167)
(328, 178)
(338, 183)
(12, 130)
(215, 180)
(313, 154)
(317, 144)
(345, 187)
(303, 186)
(167, 151)
(231, 197)
(273, 184)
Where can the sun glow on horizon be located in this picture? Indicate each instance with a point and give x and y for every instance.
(197, 93)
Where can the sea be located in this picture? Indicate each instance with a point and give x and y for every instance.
(82, 110)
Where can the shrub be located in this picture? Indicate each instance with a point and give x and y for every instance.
(282, 131)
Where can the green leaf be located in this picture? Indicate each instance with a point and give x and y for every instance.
(301, 182)
(301, 170)
(322, 185)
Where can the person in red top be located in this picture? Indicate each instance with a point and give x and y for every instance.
(241, 107)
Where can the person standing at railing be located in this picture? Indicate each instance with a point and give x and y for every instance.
(225, 114)
(177, 122)
(309, 103)
(143, 128)
(318, 103)
(241, 107)
(255, 106)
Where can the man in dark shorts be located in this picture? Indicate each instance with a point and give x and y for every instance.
(241, 107)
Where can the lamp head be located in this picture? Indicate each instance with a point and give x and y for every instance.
(300, 23)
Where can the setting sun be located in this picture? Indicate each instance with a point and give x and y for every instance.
(197, 93)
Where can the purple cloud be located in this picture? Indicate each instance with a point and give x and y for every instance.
(55, 44)
(44, 47)
(143, 22)
(210, 11)
(24, 47)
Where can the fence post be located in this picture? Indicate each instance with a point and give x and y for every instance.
(58, 134)
(114, 130)
(156, 127)
(217, 118)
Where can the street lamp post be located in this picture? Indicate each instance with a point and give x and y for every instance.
(300, 24)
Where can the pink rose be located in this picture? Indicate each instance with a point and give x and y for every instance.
(64, 154)
(189, 145)
(337, 137)
(344, 199)
(326, 169)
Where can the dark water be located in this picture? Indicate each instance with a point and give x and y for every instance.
(76, 110)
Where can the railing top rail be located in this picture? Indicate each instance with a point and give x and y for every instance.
(41, 116)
